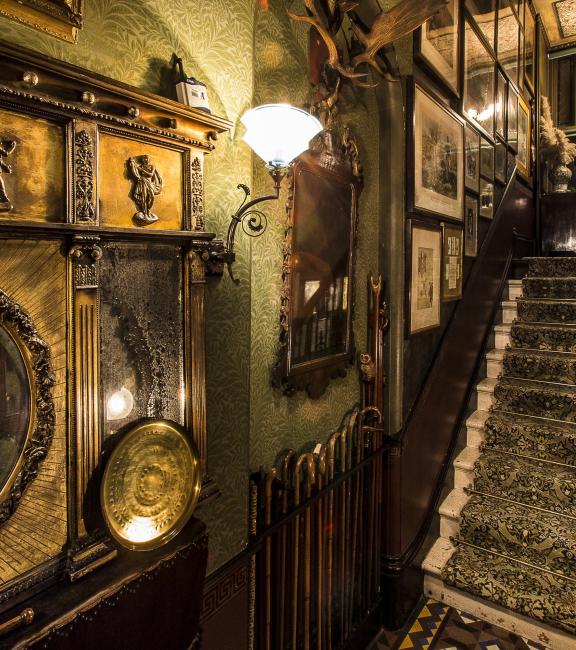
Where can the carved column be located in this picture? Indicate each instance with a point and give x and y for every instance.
(85, 441)
(195, 352)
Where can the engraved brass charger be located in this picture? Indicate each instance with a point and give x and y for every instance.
(150, 486)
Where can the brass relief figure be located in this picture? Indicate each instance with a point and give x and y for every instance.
(6, 148)
(147, 185)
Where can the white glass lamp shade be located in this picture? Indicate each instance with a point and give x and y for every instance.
(279, 132)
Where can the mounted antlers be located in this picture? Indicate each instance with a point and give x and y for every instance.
(388, 26)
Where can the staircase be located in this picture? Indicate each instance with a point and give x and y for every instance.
(507, 546)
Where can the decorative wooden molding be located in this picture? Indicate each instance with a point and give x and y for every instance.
(223, 592)
(84, 189)
(197, 179)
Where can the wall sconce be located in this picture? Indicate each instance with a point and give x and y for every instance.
(277, 133)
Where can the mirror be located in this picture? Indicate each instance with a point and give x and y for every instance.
(15, 405)
(317, 295)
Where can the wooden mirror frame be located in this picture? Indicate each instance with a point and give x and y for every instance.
(334, 158)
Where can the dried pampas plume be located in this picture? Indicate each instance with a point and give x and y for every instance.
(556, 147)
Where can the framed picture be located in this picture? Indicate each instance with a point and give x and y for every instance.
(438, 41)
(512, 121)
(486, 199)
(452, 261)
(500, 162)
(425, 260)
(529, 46)
(500, 104)
(484, 14)
(471, 226)
(471, 158)
(486, 159)
(438, 158)
(479, 74)
(524, 135)
(508, 46)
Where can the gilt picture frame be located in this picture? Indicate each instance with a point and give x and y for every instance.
(438, 45)
(59, 18)
(436, 163)
(471, 158)
(424, 264)
(452, 261)
(524, 138)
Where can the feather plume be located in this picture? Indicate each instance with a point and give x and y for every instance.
(556, 147)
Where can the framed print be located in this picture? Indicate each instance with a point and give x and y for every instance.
(425, 260)
(438, 42)
(471, 226)
(486, 159)
(512, 121)
(508, 46)
(479, 71)
(438, 157)
(452, 261)
(484, 14)
(486, 199)
(471, 158)
(523, 153)
(529, 46)
(500, 162)
(500, 104)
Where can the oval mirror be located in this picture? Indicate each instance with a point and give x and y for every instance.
(15, 399)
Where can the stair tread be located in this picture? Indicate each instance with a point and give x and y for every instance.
(477, 419)
(503, 328)
(453, 503)
(466, 458)
(496, 354)
(487, 385)
(437, 556)
(537, 594)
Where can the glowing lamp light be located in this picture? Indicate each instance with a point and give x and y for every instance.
(139, 531)
(119, 405)
(279, 132)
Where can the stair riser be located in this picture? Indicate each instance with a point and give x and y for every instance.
(501, 340)
(549, 288)
(493, 368)
(541, 368)
(485, 400)
(514, 291)
(508, 313)
(474, 436)
(552, 267)
(553, 339)
(448, 527)
(463, 478)
(540, 403)
(546, 312)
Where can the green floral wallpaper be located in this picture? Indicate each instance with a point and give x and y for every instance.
(245, 57)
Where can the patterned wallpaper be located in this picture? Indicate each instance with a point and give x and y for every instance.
(245, 57)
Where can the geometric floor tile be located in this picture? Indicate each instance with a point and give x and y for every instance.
(439, 627)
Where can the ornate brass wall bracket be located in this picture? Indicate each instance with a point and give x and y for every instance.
(41, 420)
(6, 148)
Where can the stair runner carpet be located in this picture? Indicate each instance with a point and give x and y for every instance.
(516, 544)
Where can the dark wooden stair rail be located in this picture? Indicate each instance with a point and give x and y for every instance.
(415, 473)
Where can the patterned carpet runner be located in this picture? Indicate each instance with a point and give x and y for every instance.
(517, 540)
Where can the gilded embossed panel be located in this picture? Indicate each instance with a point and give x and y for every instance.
(33, 274)
(150, 179)
(32, 168)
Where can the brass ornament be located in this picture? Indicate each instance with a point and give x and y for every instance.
(150, 486)
(6, 148)
(147, 185)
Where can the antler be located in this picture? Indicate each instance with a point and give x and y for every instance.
(333, 55)
(388, 26)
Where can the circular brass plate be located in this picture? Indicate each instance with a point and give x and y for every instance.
(150, 486)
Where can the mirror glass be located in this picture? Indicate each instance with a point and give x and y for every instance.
(321, 254)
(15, 402)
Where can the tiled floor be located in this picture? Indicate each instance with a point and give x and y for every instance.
(439, 627)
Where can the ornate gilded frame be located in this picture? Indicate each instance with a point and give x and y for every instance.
(60, 18)
(36, 356)
(334, 157)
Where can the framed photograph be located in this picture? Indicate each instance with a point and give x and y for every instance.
(438, 157)
(425, 261)
(500, 162)
(508, 46)
(524, 135)
(512, 122)
(471, 226)
(437, 44)
(486, 199)
(452, 261)
(486, 159)
(529, 46)
(484, 14)
(479, 80)
(500, 104)
(471, 158)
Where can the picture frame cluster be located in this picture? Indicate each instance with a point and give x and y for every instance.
(470, 113)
